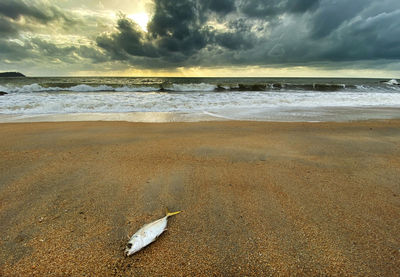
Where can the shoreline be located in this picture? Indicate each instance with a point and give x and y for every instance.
(322, 114)
(259, 198)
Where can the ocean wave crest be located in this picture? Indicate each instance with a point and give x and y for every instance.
(383, 86)
(76, 88)
(193, 87)
(392, 82)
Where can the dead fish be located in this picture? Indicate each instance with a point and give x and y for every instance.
(147, 234)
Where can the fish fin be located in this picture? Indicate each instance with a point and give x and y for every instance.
(168, 214)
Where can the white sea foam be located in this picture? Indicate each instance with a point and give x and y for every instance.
(87, 88)
(136, 89)
(150, 117)
(198, 87)
(27, 88)
(195, 99)
(103, 101)
(392, 82)
(218, 115)
(193, 87)
(33, 88)
(202, 87)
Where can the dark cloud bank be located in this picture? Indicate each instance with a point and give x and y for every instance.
(223, 33)
(39, 12)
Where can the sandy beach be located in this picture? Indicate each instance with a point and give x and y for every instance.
(258, 198)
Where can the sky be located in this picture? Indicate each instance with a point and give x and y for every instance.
(260, 38)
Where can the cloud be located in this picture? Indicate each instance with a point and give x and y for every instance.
(274, 8)
(176, 32)
(7, 28)
(301, 6)
(324, 22)
(45, 52)
(205, 33)
(178, 27)
(221, 7)
(129, 39)
(260, 8)
(19, 16)
(375, 37)
(40, 31)
(12, 50)
(34, 9)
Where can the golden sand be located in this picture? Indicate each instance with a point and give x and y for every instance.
(258, 198)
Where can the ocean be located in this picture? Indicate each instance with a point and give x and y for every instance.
(197, 99)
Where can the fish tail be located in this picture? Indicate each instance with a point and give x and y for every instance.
(168, 214)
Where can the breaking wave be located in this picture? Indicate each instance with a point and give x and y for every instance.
(76, 88)
(199, 87)
(392, 82)
(226, 98)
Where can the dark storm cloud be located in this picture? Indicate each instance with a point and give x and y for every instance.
(19, 22)
(20, 15)
(51, 50)
(10, 50)
(38, 10)
(7, 28)
(130, 38)
(301, 6)
(182, 31)
(221, 6)
(176, 32)
(268, 32)
(261, 8)
(238, 36)
(43, 51)
(232, 41)
(376, 38)
(178, 26)
(273, 8)
(333, 14)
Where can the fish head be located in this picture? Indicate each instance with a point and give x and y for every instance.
(132, 247)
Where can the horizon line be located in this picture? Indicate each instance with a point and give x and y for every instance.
(200, 77)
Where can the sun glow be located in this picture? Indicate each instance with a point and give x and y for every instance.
(140, 19)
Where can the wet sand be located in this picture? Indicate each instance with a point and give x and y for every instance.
(258, 198)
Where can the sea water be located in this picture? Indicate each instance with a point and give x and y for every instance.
(197, 99)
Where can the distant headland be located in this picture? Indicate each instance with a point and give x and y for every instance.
(11, 74)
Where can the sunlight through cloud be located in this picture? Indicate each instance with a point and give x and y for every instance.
(141, 19)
